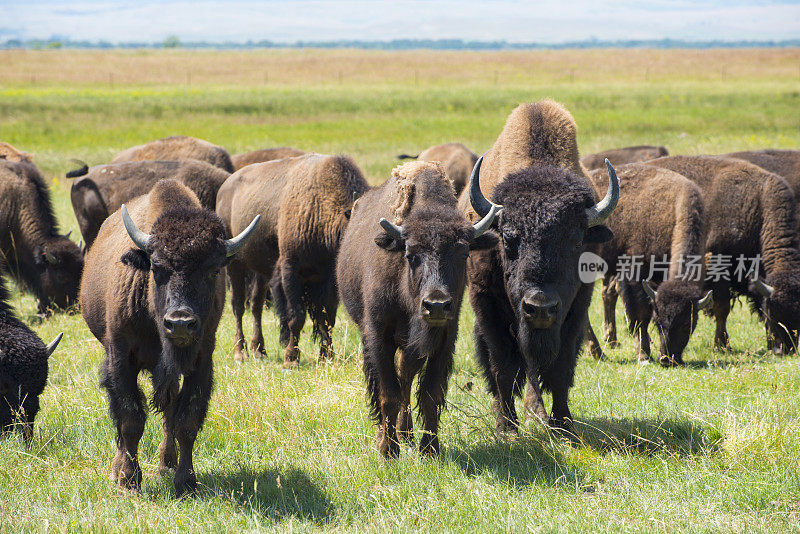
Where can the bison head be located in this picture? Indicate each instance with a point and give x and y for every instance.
(675, 306)
(60, 264)
(436, 243)
(184, 254)
(549, 219)
(780, 305)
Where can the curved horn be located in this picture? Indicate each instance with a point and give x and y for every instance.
(651, 293)
(138, 237)
(706, 301)
(482, 226)
(233, 245)
(764, 289)
(479, 203)
(393, 230)
(53, 344)
(603, 209)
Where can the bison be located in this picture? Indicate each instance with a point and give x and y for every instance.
(456, 159)
(267, 154)
(156, 306)
(402, 283)
(175, 148)
(305, 202)
(23, 367)
(621, 156)
(750, 213)
(101, 190)
(38, 255)
(784, 163)
(10, 153)
(659, 223)
(530, 304)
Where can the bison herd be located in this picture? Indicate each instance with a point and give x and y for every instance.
(168, 224)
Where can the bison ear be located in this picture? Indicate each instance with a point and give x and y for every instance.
(137, 259)
(598, 234)
(484, 241)
(389, 243)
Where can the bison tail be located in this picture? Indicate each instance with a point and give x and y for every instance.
(81, 171)
(407, 156)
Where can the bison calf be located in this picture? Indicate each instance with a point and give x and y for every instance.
(456, 159)
(156, 306)
(402, 283)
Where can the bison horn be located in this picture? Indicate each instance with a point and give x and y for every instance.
(601, 211)
(396, 232)
(480, 227)
(68, 234)
(53, 344)
(50, 257)
(234, 245)
(764, 289)
(705, 302)
(651, 293)
(479, 203)
(139, 238)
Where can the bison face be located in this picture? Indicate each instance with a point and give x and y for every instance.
(436, 247)
(675, 308)
(60, 264)
(780, 302)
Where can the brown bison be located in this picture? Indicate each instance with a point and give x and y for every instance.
(38, 255)
(100, 191)
(305, 203)
(658, 229)
(456, 159)
(784, 163)
(750, 213)
(10, 153)
(154, 301)
(23, 367)
(530, 304)
(402, 283)
(267, 154)
(178, 147)
(621, 156)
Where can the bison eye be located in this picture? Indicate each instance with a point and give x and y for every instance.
(413, 260)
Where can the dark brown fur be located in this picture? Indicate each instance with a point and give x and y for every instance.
(303, 202)
(622, 156)
(175, 148)
(267, 154)
(105, 188)
(45, 262)
(784, 163)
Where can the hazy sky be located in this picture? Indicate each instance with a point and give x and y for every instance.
(511, 20)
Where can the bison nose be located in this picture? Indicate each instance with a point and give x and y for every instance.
(437, 309)
(540, 310)
(181, 325)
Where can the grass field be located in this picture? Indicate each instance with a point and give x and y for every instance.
(713, 446)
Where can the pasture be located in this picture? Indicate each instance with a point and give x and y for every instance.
(712, 446)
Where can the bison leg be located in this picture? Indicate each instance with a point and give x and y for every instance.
(409, 365)
(295, 312)
(722, 307)
(383, 386)
(534, 405)
(431, 397)
(643, 341)
(323, 315)
(167, 453)
(592, 344)
(279, 304)
(610, 295)
(258, 295)
(126, 406)
(188, 413)
(504, 377)
(237, 274)
(30, 407)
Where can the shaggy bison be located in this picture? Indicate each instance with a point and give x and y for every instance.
(402, 283)
(38, 256)
(10, 153)
(530, 305)
(750, 213)
(267, 154)
(100, 191)
(456, 159)
(305, 202)
(23, 367)
(658, 227)
(784, 163)
(156, 306)
(175, 148)
(622, 156)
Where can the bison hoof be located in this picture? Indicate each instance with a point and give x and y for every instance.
(291, 364)
(257, 349)
(429, 445)
(128, 477)
(389, 448)
(563, 426)
(643, 358)
(667, 361)
(239, 356)
(185, 484)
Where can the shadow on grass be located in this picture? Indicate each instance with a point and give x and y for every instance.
(270, 493)
(677, 437)
(518, 462)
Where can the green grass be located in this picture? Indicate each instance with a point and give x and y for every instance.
(709, 447)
